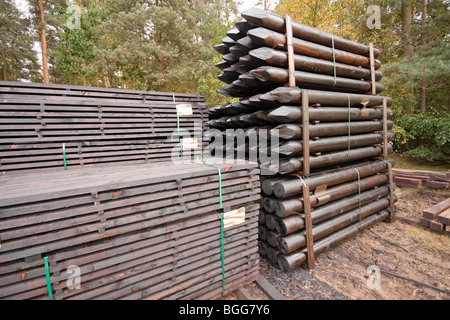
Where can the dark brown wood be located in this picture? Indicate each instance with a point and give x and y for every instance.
(275, 22)
(269, 289)
(264, 37)
(279, 58)
(268, 74)
(290, 50)
(283, 95)
(432, 212)
(305, 135)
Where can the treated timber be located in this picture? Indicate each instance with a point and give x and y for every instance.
(287, 187)
(264, 37)
(284, 208)
(278, 58)
(297, 258)
(268, 74)
(274, 22)
(284, 95)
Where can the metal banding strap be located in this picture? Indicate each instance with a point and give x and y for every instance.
(64, 156)
(178, 127)
(349, 129)
(221, 221)
(359, 195)
(47, 277)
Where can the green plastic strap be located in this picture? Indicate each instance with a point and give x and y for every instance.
(334, 61)
(47, 276)
(221, 221)
(359, 194)
(178, 127)
(349, 131)
(64, 156)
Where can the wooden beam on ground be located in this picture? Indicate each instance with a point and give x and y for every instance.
(268, 289)
(243, 294)
(434, 211)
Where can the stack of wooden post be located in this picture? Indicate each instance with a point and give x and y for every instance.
(148, 231)
(437, 217)
(96, 126)
(313, 99)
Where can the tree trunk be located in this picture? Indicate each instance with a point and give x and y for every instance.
(5, 70)
(43, 39)
(406, 13)
(423, 83)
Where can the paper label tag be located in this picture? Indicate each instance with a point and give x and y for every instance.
(232, 218)
(184, 109)
(364, 112)
(189, 143)
(320, 189)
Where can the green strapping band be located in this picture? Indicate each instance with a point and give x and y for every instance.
(47, 276)
(359, 194)
(221, 221)
(178, 127)
(349, 122)
(64, 156)
(334, 61)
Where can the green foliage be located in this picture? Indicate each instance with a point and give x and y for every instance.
(18, 60)
(423, 137)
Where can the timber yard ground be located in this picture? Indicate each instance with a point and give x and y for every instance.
(403, 248)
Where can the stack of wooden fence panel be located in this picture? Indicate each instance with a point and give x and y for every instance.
(311, 100)
(148, 231)
(96, 126)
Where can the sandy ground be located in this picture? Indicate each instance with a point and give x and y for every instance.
(403, 248)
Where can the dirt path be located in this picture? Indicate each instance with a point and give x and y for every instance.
(403, 248)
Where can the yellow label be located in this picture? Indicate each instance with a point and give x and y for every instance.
(232, 218)
(189, 143)
(184, 109)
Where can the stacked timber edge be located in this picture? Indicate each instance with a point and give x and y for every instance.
(311, 114)
(45, 127)
(147, 231)
(437, 217)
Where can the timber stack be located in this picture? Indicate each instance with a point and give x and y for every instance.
(46, 127)
(311, 101)
(93, 207)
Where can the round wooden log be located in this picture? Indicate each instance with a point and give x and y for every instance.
(287, 207)
(288, 187)
(295, 147)
(288, 165)
(284, 95)
(278, 58)
(297, 258)
(274, 22)
(295, 241)
(288, 114)
(314, 80)
(263, 37)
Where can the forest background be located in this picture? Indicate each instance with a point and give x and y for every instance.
(167, 45)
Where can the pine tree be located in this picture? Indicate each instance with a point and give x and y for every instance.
(18, 58)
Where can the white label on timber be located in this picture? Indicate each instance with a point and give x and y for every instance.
(232, 218)
(189, 143)
(184, 109)
(364, 112)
